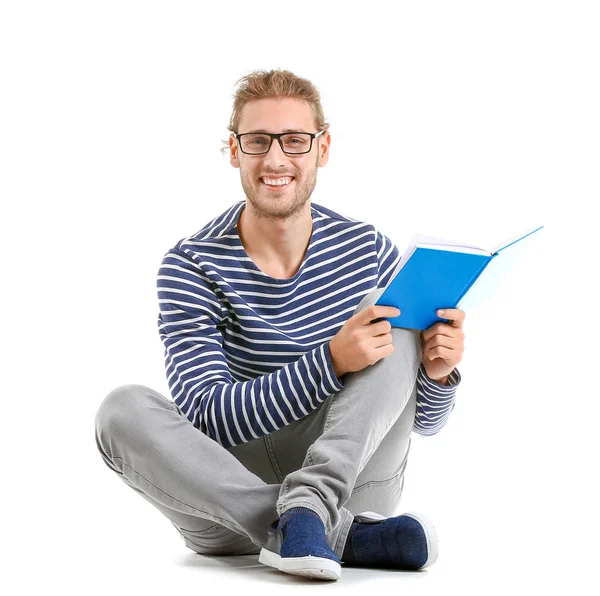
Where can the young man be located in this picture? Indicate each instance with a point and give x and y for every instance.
(293, 406)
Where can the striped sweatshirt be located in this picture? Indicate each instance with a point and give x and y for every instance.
(247, 354)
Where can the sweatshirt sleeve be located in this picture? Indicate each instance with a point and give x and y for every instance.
(229, 412)
(388, 259)
(435, 401)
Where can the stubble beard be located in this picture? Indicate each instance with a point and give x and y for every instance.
(279, 207)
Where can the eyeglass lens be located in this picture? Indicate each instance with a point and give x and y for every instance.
(292, 143)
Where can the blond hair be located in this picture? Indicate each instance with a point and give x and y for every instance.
(262, 84)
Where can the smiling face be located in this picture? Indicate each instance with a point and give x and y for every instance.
(275, 116)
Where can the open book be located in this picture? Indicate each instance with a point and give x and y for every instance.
(435, 273)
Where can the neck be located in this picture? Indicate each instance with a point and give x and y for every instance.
(277, 246)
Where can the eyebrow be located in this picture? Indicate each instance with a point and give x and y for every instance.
(283, 132)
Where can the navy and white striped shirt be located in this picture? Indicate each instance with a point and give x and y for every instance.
(247, 354)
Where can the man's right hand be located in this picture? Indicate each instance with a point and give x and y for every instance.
(359, 343)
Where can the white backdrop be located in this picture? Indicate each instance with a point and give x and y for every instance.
(466, 120)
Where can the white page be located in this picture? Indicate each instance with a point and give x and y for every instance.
(422, 240)
(493, 274)
(431, 240)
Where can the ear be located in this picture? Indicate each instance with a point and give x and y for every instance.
(233, 152)
(324, 144)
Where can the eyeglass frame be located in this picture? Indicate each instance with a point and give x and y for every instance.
(272, 136)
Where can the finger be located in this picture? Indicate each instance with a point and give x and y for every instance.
(446, 354)
(364, 317)
(452, 343)
(456, 316)
(445, 329)
(381, 340)
(383, 326)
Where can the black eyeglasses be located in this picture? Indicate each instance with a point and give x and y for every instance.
(293, 143)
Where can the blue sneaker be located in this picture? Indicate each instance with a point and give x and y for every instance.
(297, 544)
(408, 541)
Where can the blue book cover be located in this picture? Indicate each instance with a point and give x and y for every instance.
(435, 273)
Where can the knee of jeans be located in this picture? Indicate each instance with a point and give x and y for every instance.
(118, 412)
(409, 339)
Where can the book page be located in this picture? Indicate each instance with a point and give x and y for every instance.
(493, 274)
(456, 248)
(432, 240)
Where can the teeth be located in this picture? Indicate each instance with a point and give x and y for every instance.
(277, 181)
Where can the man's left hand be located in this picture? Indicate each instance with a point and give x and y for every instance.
(443, 345)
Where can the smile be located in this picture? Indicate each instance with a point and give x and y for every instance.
(283, 181)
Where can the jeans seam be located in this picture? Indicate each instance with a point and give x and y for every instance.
(327, 420)
(372, 483)
(343, 536)
(200, 533)
(273, 458)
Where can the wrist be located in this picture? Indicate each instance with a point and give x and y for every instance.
(337, 368)
(441, 380)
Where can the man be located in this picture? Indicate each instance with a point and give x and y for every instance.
(294, 399)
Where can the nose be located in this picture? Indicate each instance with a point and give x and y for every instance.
(275, 156)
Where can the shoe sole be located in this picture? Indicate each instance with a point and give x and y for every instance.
(313, 567)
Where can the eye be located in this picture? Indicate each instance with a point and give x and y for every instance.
(296, 141)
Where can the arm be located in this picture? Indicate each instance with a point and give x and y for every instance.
(435, 402)
(435, 399)
(198, 374)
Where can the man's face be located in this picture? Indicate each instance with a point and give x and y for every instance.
(274, 116)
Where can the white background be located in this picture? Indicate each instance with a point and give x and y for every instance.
(466, 120)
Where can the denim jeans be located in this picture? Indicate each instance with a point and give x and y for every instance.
(347, 456)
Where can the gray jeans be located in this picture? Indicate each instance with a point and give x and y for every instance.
(347, 456)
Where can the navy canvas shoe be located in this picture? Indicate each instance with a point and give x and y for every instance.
(297, 544)
(407, 541)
